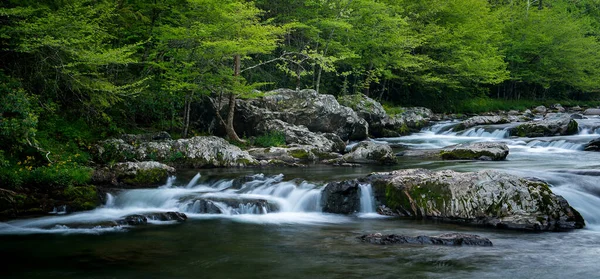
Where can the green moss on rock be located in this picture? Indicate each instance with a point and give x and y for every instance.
(147, 177)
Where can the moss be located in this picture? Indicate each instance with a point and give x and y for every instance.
(243, 162)
(300, 154)
(572, 128)
(81, 197)
(147, 177)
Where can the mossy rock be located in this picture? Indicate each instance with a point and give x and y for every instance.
(81, 197)
(147, 177)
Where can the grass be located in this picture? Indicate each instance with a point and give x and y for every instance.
(392, 110)
(272, 138)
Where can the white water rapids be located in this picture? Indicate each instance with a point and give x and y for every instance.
(274, 199)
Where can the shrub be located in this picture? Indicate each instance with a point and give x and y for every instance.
(272, 138)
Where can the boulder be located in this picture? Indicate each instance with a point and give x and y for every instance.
(485, 151)
(592, 111)
(558, 108)
(292, 154)
(593, 145)
(146, 137)
(341, 197)
(135, 174)
(481, 120)
(318, 112)
(368, 152)
(540, 109)
(448, 239)
(488, 197)
(557, 124)
(324, 142)
(365, 107)
(196, 152)
(412, 119)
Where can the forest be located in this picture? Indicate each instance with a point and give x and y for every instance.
(76, 71)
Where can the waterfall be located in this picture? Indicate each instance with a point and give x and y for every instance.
(367, 201)
(194, 180)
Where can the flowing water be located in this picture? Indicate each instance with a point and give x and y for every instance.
(267, 223)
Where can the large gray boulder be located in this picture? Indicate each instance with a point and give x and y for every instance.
(365, 107)
(485, 151)
(368, 152)
(553, 125)
(481, 120)
(485, 198)
(592, 111)
(294, 134)
(196, 152)
(318, 112)
(412, 119)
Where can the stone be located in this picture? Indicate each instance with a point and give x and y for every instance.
(540, 109)
(341, 197)
(558, 108)
(136, 174)
(593, 145)
(317, 112)
(367, 108)
(195, 152)
(489, 198)
(146, 137)
(480, 120)
(556, 124)
(449, 239)
(298, 134)
(592, 111)
(368, 152)
(485, 151)
(214, 205)
(293, 154)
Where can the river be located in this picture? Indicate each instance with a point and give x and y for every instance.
(287, 236)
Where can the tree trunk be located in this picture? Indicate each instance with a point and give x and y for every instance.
(229, 129)
(186, 116)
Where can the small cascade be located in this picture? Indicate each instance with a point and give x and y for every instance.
(110, 200)
(558, 144)
(194, 180)
(483, 133)
(59, 210)
(367, 200)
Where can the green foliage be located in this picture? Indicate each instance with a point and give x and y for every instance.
(18, 116)
(392, 110)
(272, 138)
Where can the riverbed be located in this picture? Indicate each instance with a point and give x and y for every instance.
(289, 236)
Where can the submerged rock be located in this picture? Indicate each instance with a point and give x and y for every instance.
(481, 120)
(196, 152)
(485, 151)
(368, 152)
(449, 239)
(559, 124)
(485, 198)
